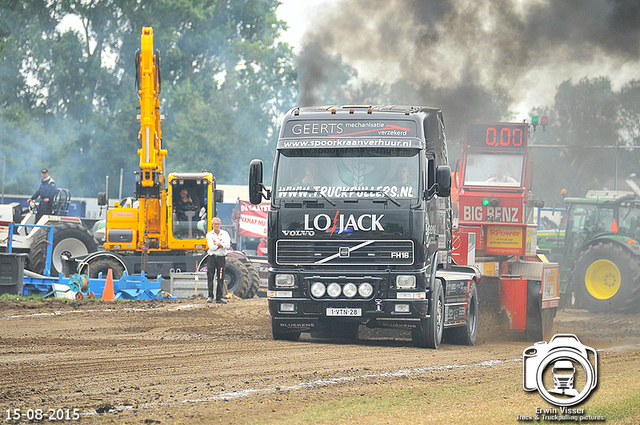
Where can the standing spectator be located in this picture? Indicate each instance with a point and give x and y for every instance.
(46, 192)
(218, 241)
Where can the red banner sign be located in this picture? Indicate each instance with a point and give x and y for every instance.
(253, 220)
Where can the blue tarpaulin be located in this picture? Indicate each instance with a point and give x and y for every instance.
(127, 287)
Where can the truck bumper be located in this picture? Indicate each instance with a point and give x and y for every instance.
(304, 315)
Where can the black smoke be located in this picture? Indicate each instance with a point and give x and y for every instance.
(468, 57)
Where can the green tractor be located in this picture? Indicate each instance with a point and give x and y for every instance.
(598, 248)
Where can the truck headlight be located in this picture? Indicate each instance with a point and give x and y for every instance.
(405, 281)
(284, 281)
(365, 290)
(333, 290)
(349, 290)
(318, 289)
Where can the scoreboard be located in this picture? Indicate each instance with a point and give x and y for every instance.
(498, 135)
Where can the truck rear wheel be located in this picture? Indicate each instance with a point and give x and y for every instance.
(429, 333)
(282, 335)
(466, 335)
(606, 277)
(69, 239)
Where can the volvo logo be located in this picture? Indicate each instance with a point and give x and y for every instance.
(298, 232)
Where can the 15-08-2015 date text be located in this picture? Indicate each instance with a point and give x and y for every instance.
(17, 414)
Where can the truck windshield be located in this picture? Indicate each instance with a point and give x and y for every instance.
(348, 173)
(493, 170)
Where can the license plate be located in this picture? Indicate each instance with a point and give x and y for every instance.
(344, 312)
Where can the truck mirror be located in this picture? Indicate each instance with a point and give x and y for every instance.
(102, 198)
(218, 195)
(443, 178)
(255, 181)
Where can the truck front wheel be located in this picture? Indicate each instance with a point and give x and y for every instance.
(429, 333)
(606, 277)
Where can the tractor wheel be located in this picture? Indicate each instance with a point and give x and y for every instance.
(236, 277)
(429, 333)
(606, 277)
(102, 265)
(254, 280)
(69, 239)
(466, 335)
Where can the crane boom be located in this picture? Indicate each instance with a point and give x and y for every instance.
(151, 178)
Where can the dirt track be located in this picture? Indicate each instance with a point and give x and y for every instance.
(191, 362)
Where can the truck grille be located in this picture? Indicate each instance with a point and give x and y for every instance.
(351, 252)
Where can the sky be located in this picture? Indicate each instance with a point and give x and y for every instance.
(527, 46)
(298, 14)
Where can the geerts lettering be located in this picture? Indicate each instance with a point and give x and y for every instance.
(317, 128)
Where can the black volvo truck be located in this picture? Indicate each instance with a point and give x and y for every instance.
(360, 226)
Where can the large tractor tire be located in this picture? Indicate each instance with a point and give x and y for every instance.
(606, 277)
(254, 280)
(70, 239)
(102, 265)
(429, 333)
(466, 335)
(236, 277)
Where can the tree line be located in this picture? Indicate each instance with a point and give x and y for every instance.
(68, 102)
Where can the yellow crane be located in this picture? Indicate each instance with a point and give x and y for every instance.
(157, 231)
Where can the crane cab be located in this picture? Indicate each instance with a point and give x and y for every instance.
(184, 225)
(191, 202)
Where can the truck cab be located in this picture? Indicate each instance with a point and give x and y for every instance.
(359, 223)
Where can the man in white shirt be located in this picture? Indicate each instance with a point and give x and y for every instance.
(219, 242)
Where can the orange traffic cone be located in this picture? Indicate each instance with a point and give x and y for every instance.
(614, 226)
(108, 294)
